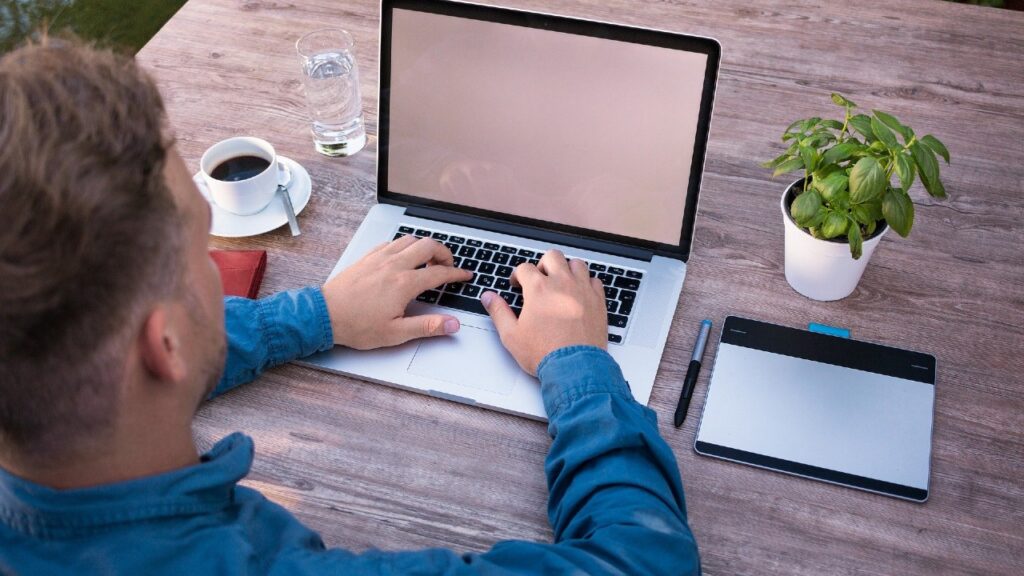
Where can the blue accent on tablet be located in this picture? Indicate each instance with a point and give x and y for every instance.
(829, 330)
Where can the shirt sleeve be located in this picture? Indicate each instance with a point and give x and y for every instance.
(271, 331)
(615, 496)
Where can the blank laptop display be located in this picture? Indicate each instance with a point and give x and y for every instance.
(583, 131)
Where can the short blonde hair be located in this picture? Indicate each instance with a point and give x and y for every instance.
(90, 234)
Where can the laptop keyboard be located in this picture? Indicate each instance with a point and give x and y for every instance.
(492, 264)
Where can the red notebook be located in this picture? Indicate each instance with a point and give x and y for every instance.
(241, 271)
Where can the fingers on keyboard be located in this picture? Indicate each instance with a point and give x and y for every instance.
(501, 268)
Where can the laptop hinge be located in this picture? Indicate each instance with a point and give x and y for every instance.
(530, 232)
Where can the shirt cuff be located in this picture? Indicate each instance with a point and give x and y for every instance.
(575, 372)
(295, 324)
(320, 303)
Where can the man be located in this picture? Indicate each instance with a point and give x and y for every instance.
(112, 332)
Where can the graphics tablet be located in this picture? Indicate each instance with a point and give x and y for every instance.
(823, 407)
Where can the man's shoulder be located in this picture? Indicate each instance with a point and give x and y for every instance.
(250, 535)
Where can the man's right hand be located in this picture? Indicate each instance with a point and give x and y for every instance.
(563, 306)
(367, 300)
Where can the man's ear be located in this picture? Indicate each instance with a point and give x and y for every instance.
(162, 354)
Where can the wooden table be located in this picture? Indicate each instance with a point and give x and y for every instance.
(370, 466)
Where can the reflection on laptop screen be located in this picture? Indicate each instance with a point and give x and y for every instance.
(572, 129)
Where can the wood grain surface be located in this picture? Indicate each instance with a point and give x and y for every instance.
(371, 466)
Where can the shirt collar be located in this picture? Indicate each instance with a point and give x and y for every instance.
(201, 488)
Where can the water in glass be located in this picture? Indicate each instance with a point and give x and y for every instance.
(331, 80)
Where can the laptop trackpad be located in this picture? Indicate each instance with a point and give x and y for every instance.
(473, 357)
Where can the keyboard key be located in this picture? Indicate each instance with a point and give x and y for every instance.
(472, 242)
(451, 246)
(516, 261)
(439, 236)
(484, 254)
(625, 308)
(626, 295)
(505, 271)
(615, 338)
(456, 261)
(491, 246)
(516, 289)
(610, 292)
(519, 300)
(508, 250)
(457, 239)
(597, 267)
(405, 229)
(527, 253)
(627, 283)
(509, 297)
(606, 278)
(453, 287)
(517, 310)
(500, 258)
(468, 264)
(467, 252)
(485, 281)
(423, 233)
(634, 274)
(534, 261)
(397, 236)
(471, 290)
(486, 268)
(611, 305)
(428, 296)
(616, 320)
(614, 270)
(502, 284)
(462, 303)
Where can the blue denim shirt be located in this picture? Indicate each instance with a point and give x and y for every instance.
(615, 503)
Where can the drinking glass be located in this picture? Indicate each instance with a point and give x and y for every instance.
(331, 80)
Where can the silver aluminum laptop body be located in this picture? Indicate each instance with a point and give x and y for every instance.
(450, 170)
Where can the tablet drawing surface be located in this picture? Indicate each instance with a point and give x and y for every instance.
(823, 407)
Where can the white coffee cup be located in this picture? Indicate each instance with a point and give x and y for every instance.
(245, 193)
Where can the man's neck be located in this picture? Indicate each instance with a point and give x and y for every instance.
(123, 457)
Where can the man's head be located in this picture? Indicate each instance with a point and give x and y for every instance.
(108, 300)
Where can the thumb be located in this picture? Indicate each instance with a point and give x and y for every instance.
(409, 327)
(503, 317)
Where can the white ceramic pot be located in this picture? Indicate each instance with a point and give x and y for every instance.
(822, 269)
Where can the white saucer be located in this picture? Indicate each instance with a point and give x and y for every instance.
(229, 225)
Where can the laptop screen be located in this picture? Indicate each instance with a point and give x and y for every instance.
(588, 132)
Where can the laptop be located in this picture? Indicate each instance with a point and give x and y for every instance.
(504, 134)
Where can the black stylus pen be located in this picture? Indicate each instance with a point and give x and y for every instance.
(691, 373)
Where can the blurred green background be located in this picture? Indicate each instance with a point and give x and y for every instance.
(129, 24)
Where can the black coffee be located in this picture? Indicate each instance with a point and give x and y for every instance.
(239, 168)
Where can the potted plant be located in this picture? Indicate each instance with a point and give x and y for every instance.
(856, 178)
